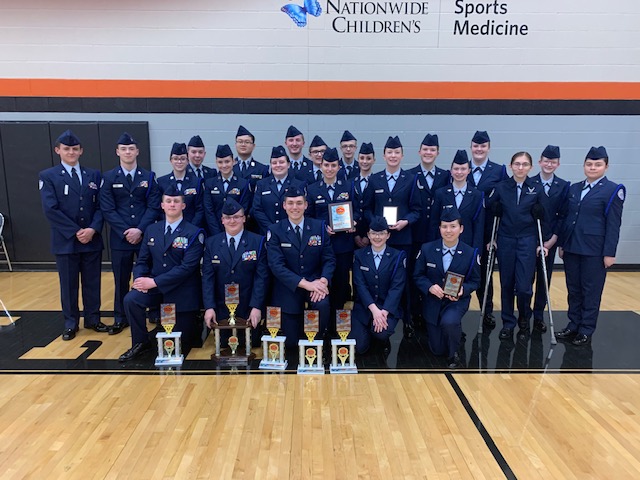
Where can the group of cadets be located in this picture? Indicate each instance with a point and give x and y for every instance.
(186, 234)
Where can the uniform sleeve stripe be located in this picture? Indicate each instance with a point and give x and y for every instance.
(618, 188)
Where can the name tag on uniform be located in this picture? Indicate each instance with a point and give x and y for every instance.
(431, 265)
(286, 245)
(118, 185)
(151, 242)
(320, 201)
(215, 261)
(267, 192)
(381, 190)
(215, 192)
(66, 189)
(366, 269)
(256, 176)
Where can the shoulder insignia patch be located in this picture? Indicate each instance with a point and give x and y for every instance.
(40, 184)
(268, 235)
(621, 194)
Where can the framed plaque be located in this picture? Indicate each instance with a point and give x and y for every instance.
(452, 284)
(390, 214)
(341, 216)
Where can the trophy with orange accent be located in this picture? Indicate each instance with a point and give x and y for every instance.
(273, 344)
(310, 360)
(231, 355)
(169, 351)
(343, 349)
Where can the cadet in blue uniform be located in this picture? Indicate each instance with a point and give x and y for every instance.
(379, 277)
(366, 159)
(130, 202)
(320, 195)
(313, 173)
(196, 153)
(349, 166)
(444, 313)
(395, 188)
(429, 179)
(185, 181)
(553, 201)
(517, 242)
(268, 199)
(70, 200)
(467, 199)
(167, 271)
(221, 187)
(302, 263)
(246, 167)
(588, 242)
(294, 141)
(235, 256)
(485, 175)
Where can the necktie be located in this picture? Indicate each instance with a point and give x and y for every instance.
(477, 174)
(331, 190)
(225, 185)
(299, 232)
(391, 182)
(199, 173)
(477, 169)
(129, 179)
(349, 168)
(296, 166)
(518, 193)
(447, 256)
(167, 236)
(232, 245)
(318, 175)
(74, 177)
(429, 177)
(430, 174)
(547, 187)
(279, 184)
(179, 184)
(459, 197)
(363, 184)
(376, 259)
(585, 190)
(243, 166)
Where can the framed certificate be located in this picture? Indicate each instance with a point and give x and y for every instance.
(452, 284)
(341, 216)
(390, 214)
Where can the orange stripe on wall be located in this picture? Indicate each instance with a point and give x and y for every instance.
(320, 90)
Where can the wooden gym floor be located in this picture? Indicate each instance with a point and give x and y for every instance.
(521, 410)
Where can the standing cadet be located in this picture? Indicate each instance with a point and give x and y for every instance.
(553, 200)
(267, 201)
(348, 164)
(313, 173)
(444, 313)
(429, 179)
(395, 189)
(320, 195)
(379, 277)
(235, 256)
(196, 153)
(485, 175)
(167, 271)
(130, 201)
(517, 242)
(70, 200)
(246, 167)
(302, 262)
(221, 187)
(186, 182)
(294, 141)
(588, 243)
(366, 159)
(467, 199)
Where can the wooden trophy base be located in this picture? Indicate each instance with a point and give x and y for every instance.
(224, 356)
(227, 358)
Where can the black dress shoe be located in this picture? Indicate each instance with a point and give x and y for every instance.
(135, 351)
(523, 335)
(98, 327)
(454, 362)
(581, 340)
(409, 331)
(540, 326)
(489, 321)
(69, 334)
(116, 328)
(566, 334)
(506, 334)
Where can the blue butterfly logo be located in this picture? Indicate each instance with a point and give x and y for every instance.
(298, 13)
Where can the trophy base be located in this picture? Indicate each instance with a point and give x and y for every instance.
(227, 358)
(315, 370)
(269, 365)
(341, 369)
(169, 361)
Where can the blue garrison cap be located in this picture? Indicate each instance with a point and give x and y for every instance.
(294, 191)
(393, 142)
(223, 151)
(450, 215)
(126, 139)
(378, 224)
(317, 142)
(347, 136)
(367, 149)
(430, 140)
(461, 157)
(179, 149)
(551, 151)
(330, 155)
(277, 152)
(68, 138)
(480, 137)
(595, 153)
(243, 131)
(196, 141)
(292, 132)
(231, 207)
(172, 191)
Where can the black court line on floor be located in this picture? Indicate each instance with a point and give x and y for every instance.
(614, 349)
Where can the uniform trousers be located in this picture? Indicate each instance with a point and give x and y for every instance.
(122, 263)
(362, 328)
(72, 267)
(293, 323)
(445, 337)
(585, 282)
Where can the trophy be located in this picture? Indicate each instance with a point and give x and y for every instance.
(231, 355)
(169, 352)
(310, 356)
(343, 348)
(273, 344)
(452, 284)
